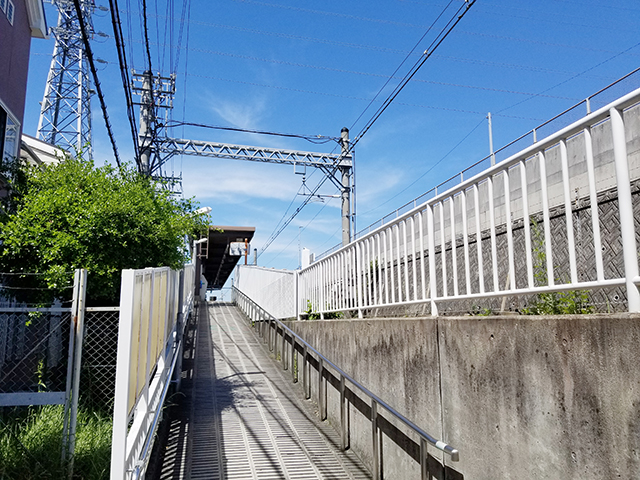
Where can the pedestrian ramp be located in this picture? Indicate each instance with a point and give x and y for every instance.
(242, 418)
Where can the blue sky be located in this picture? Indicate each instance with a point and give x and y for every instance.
(313, 67)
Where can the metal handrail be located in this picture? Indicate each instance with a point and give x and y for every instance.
(375, 400)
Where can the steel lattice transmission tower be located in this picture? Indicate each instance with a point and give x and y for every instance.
(65, 115)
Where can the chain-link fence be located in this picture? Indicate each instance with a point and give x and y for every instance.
(33, 350)
(99, 358)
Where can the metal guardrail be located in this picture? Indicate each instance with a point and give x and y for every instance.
(434, 252)
(561, 120)
(291, 344)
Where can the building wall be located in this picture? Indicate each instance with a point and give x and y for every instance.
(15, 43)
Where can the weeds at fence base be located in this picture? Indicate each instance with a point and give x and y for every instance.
(30, 444)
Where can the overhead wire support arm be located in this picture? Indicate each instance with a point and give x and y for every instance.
(176, 146)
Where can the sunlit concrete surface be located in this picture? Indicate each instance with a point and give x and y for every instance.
(244, 418)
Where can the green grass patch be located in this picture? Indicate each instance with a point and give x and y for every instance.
(30, 445)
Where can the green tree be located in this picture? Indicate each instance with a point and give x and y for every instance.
(75, 215)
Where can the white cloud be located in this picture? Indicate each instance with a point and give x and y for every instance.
(229, 180)
(241, 114)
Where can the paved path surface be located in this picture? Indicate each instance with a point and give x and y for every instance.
(242, 418)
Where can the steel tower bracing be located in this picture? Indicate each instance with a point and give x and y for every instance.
(65, 114)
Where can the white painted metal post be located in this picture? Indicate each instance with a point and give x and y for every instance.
(399, 263)
(433, 290)
(77, 365)
(493, 155)
(494, 246)
(476, 207)
(391, 269)
(322, 286)
(423, 256)
(379, 279)
(507, 209)
(593, 197)
(527, 223)
(296, 283)
(547, 220)
(443, 252)
(387, 266)
(625, 204)
(454, 253)
(354, 276)
(414, 257)
(465, 238)
(123, 370)
(406, 261)
(368, 269)
(571, 244)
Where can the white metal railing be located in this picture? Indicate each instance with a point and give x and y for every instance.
(300, 358)
(584, 107)
(273, 290)
(152, 303)
(448, 247)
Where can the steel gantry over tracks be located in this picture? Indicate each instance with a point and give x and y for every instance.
(337, 167)
(156, 149)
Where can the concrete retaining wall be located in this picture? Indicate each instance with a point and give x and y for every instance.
(520, 397)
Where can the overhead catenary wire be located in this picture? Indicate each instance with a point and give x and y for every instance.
(404, 60)
(433, 46)
(442, 35)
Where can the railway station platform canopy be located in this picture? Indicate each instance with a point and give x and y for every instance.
(224, 249)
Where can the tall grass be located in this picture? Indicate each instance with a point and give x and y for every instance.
(30, 445)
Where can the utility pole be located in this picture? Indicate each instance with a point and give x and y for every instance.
(345, 169)
(147, 119)
(65, 112)
(156, 92)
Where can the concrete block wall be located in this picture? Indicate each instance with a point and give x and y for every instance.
(520, 397)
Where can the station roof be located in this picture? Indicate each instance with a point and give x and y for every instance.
(221, 255)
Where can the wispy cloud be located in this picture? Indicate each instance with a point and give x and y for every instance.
(245, 113)
(233, 180)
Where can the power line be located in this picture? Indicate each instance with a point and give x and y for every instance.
(146, 35)
(124, 74)
(442, 35)
(96, 80)
(573, 77)
(401, 64)
(319, 139)
(350, 97)
(429, 169)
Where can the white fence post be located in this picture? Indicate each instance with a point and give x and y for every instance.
(78, 317)
(625, 204)
(122, 387)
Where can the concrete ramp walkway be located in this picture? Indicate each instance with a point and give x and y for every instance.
(243, 419)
